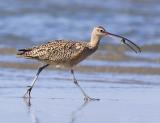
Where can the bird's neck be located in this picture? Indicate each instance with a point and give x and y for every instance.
(94, 42)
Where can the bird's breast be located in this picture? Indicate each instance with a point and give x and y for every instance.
(81, 56)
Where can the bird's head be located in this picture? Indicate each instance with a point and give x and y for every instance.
(100, 32)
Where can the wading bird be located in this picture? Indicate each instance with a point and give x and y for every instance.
(68, 53)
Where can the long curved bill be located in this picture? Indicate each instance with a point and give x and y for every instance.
(127, 42)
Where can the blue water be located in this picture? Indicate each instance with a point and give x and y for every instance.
(24, 23)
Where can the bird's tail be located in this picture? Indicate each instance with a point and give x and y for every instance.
(23, 52)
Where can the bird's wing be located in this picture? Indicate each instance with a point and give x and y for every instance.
(64, 51)
(56, 51)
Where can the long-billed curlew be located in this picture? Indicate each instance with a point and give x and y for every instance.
(67, 54)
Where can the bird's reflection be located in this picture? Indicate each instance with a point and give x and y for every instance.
(27, 102)
(35, 119)
(74, 115)
(31, 112)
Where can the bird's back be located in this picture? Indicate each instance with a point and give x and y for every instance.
(59, 52)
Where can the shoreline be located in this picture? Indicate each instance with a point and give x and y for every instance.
(84, 68)
(109, 52)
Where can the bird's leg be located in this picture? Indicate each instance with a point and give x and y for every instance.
(86, 97)
(34, 80)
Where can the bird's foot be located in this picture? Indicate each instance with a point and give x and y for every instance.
(28, 92)
(87, 98)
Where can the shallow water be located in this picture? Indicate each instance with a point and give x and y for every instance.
(123, 97)
(55, 98)
(75, 111)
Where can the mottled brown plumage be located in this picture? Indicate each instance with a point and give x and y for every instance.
(64, 53)
(61, 53)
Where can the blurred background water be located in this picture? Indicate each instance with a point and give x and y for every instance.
(26, 22)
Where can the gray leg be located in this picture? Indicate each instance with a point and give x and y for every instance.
(34, 80)
(86, 97)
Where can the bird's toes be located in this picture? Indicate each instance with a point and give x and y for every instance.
(28, 92)
(90, 99)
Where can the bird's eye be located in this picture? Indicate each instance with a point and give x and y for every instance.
(101, 30)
